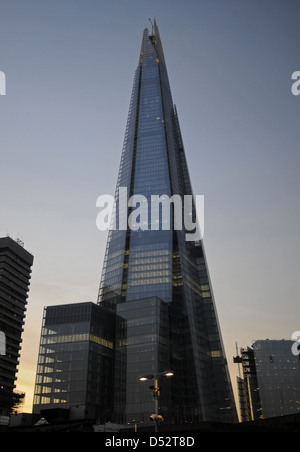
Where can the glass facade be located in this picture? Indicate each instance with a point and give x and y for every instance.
(278, 376)
(75, 363)
(151, 261)
(143, 347)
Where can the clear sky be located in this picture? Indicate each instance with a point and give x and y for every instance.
(69, 67)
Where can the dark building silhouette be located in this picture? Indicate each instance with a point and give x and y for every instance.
(15, 271)
(75, 362)
(270, 383)
(247, 385)
(153, 276)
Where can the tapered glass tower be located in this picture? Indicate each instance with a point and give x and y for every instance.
(155, 279)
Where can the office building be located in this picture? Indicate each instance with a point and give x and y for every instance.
(75, 362)
(154, 275)
(15, 271)
(270, 383)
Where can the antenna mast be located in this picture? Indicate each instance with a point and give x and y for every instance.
(151, 26)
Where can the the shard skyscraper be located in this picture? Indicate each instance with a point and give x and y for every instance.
(155, 279)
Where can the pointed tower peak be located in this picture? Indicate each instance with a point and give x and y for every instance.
(154, 27)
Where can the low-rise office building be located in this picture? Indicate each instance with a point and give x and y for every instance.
(75, 362)
(270, 383)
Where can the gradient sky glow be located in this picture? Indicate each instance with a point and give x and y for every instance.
(69, 69)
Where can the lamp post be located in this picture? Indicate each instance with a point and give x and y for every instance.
(135, 422)
(155, 377)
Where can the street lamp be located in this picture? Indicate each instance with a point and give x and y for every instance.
(135, 422)
(155, 377)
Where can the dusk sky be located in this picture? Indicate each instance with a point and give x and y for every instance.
(69, 67)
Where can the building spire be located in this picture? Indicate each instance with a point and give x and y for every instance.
(151, 25)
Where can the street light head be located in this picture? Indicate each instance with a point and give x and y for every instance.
(146, 377)
(169, 374)
(165, 373)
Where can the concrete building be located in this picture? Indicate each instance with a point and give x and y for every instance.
(15, 271)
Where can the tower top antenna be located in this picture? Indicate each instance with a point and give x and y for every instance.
(151, 26)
